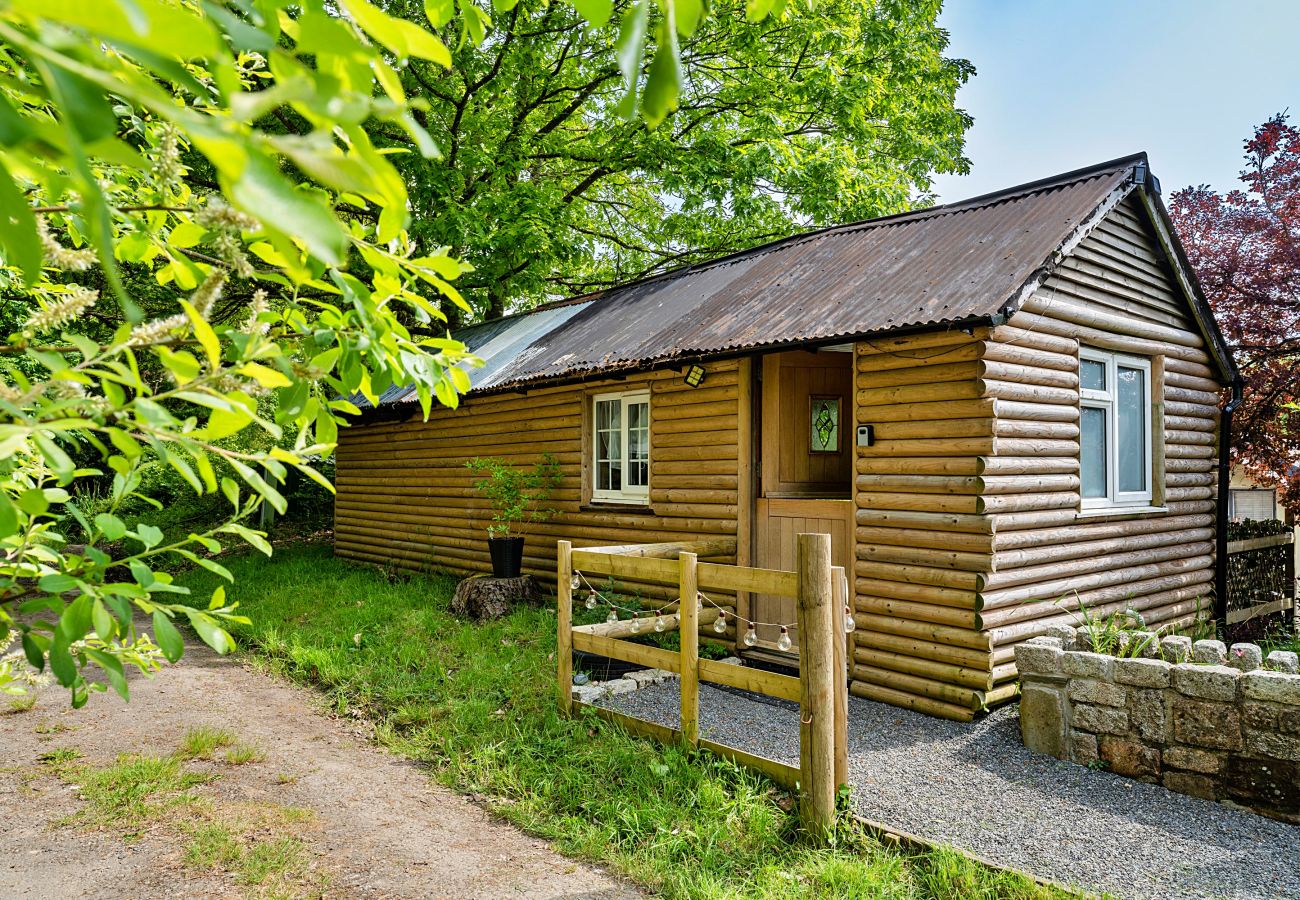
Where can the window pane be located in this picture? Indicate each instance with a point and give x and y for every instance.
(609, 445)
(1092, 451)
(638, 444)
(1131, 396)
(824, 436)
(1092, 375)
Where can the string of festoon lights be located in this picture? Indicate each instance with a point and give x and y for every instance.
(658, 619)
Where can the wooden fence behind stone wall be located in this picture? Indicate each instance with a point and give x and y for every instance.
(1261, 580)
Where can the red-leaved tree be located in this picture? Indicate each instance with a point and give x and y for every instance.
(1245, 248)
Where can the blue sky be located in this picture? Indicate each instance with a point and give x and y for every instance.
(1063, 84)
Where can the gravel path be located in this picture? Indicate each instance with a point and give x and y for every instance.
(977, 787)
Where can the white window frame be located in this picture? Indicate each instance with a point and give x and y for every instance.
(639, 494)
(1106, 400)
(1233, 512)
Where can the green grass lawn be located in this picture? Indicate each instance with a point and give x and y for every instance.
(477, 704)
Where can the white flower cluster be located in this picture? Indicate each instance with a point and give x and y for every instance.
(258, 306)
(61, 309)
(60, 256)
(207, 294)
(167, 169)
(227, 222)
(148, 333)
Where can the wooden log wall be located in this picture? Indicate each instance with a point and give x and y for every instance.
(969, 533)
(1113, 293)
(406, 499)
(923, 538)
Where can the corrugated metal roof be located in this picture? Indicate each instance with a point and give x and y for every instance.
(936, 266)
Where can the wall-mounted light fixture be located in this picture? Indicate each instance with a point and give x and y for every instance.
(695, 375)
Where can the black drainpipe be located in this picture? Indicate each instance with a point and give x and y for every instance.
(1221, 510)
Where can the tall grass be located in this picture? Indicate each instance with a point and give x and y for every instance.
(477, 704)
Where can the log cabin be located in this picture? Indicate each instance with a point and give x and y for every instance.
(1004, 411)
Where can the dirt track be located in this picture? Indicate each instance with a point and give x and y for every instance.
(379, 827)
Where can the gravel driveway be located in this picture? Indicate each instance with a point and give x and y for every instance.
(977, 787)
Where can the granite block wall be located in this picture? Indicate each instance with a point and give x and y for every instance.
(1199, 718)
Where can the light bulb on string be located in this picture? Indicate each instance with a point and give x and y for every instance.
(573, 582)
(751, 636)
(591, 600)
(636, 623)
(850, 623)
(660, 623)
(720, 624)
(612, 617)
(783, 642)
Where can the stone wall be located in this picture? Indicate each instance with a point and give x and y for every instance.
(1200, 719)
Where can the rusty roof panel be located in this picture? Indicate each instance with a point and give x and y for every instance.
(936, 266)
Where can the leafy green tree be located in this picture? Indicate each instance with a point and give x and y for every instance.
(147, 175)
(841, 111)
(106, 111)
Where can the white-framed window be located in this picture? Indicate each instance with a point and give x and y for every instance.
(1115, 450)
(621, 447)
(1259, 504)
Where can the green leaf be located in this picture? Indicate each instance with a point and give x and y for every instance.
(440, 12)
(210, 632)
(57, 460)
(664, 79)
(149, 535)
(597, 12)
(230, 488)
(142, 574)
(180, 363)
(112, 527)
(75, 621)
(186, 234)
(630, 47)
(168, 638)
(104, 623)
(207, 338)
(8, 515)
(259, 189)
(264, 375)
(225, 422)
(398, 35)
(259, 484)
(34, 647)
(61, 662)
(57, 583)
(32, 501)
(112, 667)
(216, 567)
(18, 240)
(84, 105)
(218, 598)
(252, 537)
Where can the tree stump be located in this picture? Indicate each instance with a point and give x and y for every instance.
(484, 598)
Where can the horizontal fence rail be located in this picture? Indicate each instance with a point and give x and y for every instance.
(821, 689)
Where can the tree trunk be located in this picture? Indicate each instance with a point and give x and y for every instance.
(494, 598)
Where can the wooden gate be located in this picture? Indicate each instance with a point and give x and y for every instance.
(821, 690)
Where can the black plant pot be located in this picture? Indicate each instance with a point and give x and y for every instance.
(507, 556)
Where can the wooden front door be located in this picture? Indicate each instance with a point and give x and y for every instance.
(806, 452)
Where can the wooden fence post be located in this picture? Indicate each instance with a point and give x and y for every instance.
(817, 638)
(688, 590)
(564, 625)
(841, 645)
